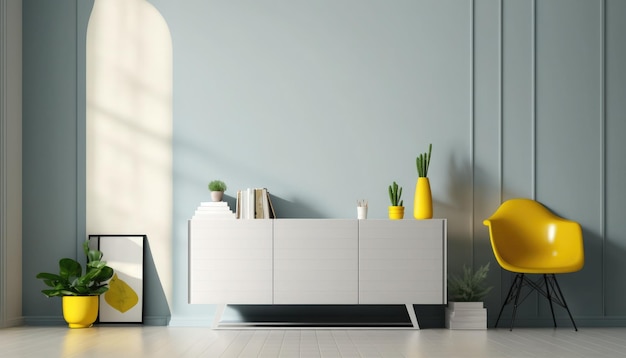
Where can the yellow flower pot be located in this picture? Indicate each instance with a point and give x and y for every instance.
(423, 203)
(80, 311)
(396, 212)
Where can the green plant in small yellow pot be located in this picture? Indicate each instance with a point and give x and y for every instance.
(396, 210)
(79, 292)
(423, 201)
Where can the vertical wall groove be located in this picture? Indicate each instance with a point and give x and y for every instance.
(79, 237)
(533, 97)
(603, 149)
(500, 100)
(3, 161)
(472, 115)
(83, 10)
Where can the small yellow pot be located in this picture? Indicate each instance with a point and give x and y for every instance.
(396, 212)
(80, 311)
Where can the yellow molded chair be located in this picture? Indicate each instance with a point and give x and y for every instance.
(527, 238)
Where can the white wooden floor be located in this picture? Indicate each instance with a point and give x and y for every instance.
(146, 341)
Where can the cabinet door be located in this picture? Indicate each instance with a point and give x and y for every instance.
(230, 261)
(315, 261)
(402, 261)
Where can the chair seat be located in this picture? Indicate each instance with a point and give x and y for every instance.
(540, 262)
(531, 267)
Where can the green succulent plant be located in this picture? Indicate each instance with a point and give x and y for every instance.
(71, 282)
(217, 185)
(395, 194)
(470, 286)
(423, 162)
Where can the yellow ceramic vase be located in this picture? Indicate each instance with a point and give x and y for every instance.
(396, 212)
(80, 311)
(423, 204)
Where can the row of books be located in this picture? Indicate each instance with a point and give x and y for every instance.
(254, 203)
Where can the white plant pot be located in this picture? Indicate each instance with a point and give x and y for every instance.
(217, 195)
(466, 315)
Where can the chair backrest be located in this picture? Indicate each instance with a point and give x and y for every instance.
(526, 237)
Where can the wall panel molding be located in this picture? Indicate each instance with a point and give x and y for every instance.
(603, 151)
(472, 218)
(614, 171)
(500, 100)
(10, 163)
(534, 118)
(3, 170)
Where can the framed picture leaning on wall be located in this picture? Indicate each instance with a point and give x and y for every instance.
(123, 302)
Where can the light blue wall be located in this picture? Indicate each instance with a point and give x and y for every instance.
(323, 103)
(327, 102)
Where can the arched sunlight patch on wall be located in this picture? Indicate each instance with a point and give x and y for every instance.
(129, 127)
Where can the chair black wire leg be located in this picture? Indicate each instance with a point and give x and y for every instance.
(519, 289)
(507, 300)
(556, 283)
(500, 314)
(545, 279)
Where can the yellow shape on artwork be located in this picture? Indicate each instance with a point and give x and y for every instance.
(120, 295)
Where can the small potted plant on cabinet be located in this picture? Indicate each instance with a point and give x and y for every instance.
(396, 210)
(466, 309)
(217, 188)
(79, 292)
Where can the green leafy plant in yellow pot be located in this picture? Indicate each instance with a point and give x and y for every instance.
(79, 291)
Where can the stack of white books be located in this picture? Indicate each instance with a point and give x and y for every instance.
(214, 210)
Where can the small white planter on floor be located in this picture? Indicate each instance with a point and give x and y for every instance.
(466, 315)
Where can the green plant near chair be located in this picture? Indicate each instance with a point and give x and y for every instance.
(467, 291)
(470, 286)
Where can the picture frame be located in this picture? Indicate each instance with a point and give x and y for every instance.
(123, 302)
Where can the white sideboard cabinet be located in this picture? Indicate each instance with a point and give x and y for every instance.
(402, 261)
(317, 261)
(231, 261)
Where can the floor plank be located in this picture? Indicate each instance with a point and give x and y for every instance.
(150, 341)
